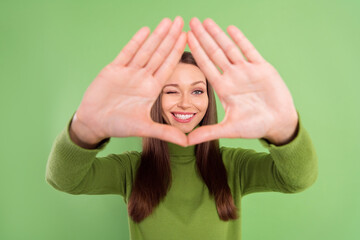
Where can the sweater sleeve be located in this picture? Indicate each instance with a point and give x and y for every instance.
(289, 168)
(76, 170)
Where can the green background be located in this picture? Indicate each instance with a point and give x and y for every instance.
(50, 51)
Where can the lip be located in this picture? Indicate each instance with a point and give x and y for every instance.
(182, 120)
(183, 113)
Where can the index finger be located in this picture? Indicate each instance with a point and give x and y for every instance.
(228, 46)
(128, 52)
(245, 45)
(203, 61)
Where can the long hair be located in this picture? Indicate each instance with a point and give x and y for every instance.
(153, 177)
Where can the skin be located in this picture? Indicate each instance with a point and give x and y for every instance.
(256, 100)
(185, 92)
(118, 102)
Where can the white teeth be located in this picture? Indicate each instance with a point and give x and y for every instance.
(182, 116)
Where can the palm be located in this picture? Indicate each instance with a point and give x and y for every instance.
(255, 98)
(251, 109)
(128, 100)
(118, 102)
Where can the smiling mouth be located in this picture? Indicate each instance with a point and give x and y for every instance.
(183, 118)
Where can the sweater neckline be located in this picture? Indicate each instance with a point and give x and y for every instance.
(177, 150)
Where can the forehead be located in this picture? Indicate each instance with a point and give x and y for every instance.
(186, 74)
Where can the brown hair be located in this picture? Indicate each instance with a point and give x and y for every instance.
(153, 177)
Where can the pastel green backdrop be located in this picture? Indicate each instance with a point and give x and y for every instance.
(50, 51)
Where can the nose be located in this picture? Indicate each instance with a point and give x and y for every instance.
(184, 102)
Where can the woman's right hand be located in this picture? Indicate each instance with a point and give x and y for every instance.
(118, 102)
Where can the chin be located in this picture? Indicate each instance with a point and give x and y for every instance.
(185, 130)
(188, 131)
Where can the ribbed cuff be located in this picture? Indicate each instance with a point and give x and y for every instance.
(300, 137)
(299, 146)
(65, 135)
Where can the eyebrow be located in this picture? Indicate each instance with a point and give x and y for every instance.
(176, 85)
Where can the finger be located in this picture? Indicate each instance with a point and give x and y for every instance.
(203, 61)
(167, 133)
(128, 52)
(245, 45)
(228, 46)
(151, 44)
(165, 47)
(209, 45)
(205, 133)
(168, 66)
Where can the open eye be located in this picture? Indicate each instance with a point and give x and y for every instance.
(198, 92)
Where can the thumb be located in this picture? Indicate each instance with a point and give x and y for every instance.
(205, 133)
(167, 133)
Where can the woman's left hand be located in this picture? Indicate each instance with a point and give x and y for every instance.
(256, 100)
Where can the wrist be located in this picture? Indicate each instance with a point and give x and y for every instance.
(285, 133)
(81, 135)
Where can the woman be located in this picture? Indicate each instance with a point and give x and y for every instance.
(182, 185)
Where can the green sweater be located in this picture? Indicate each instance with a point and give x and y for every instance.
(187, 212)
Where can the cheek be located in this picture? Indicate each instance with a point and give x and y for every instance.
(202, 103)
(165, 104)
(206, 105)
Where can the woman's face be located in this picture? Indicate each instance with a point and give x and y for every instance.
(184, 98)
